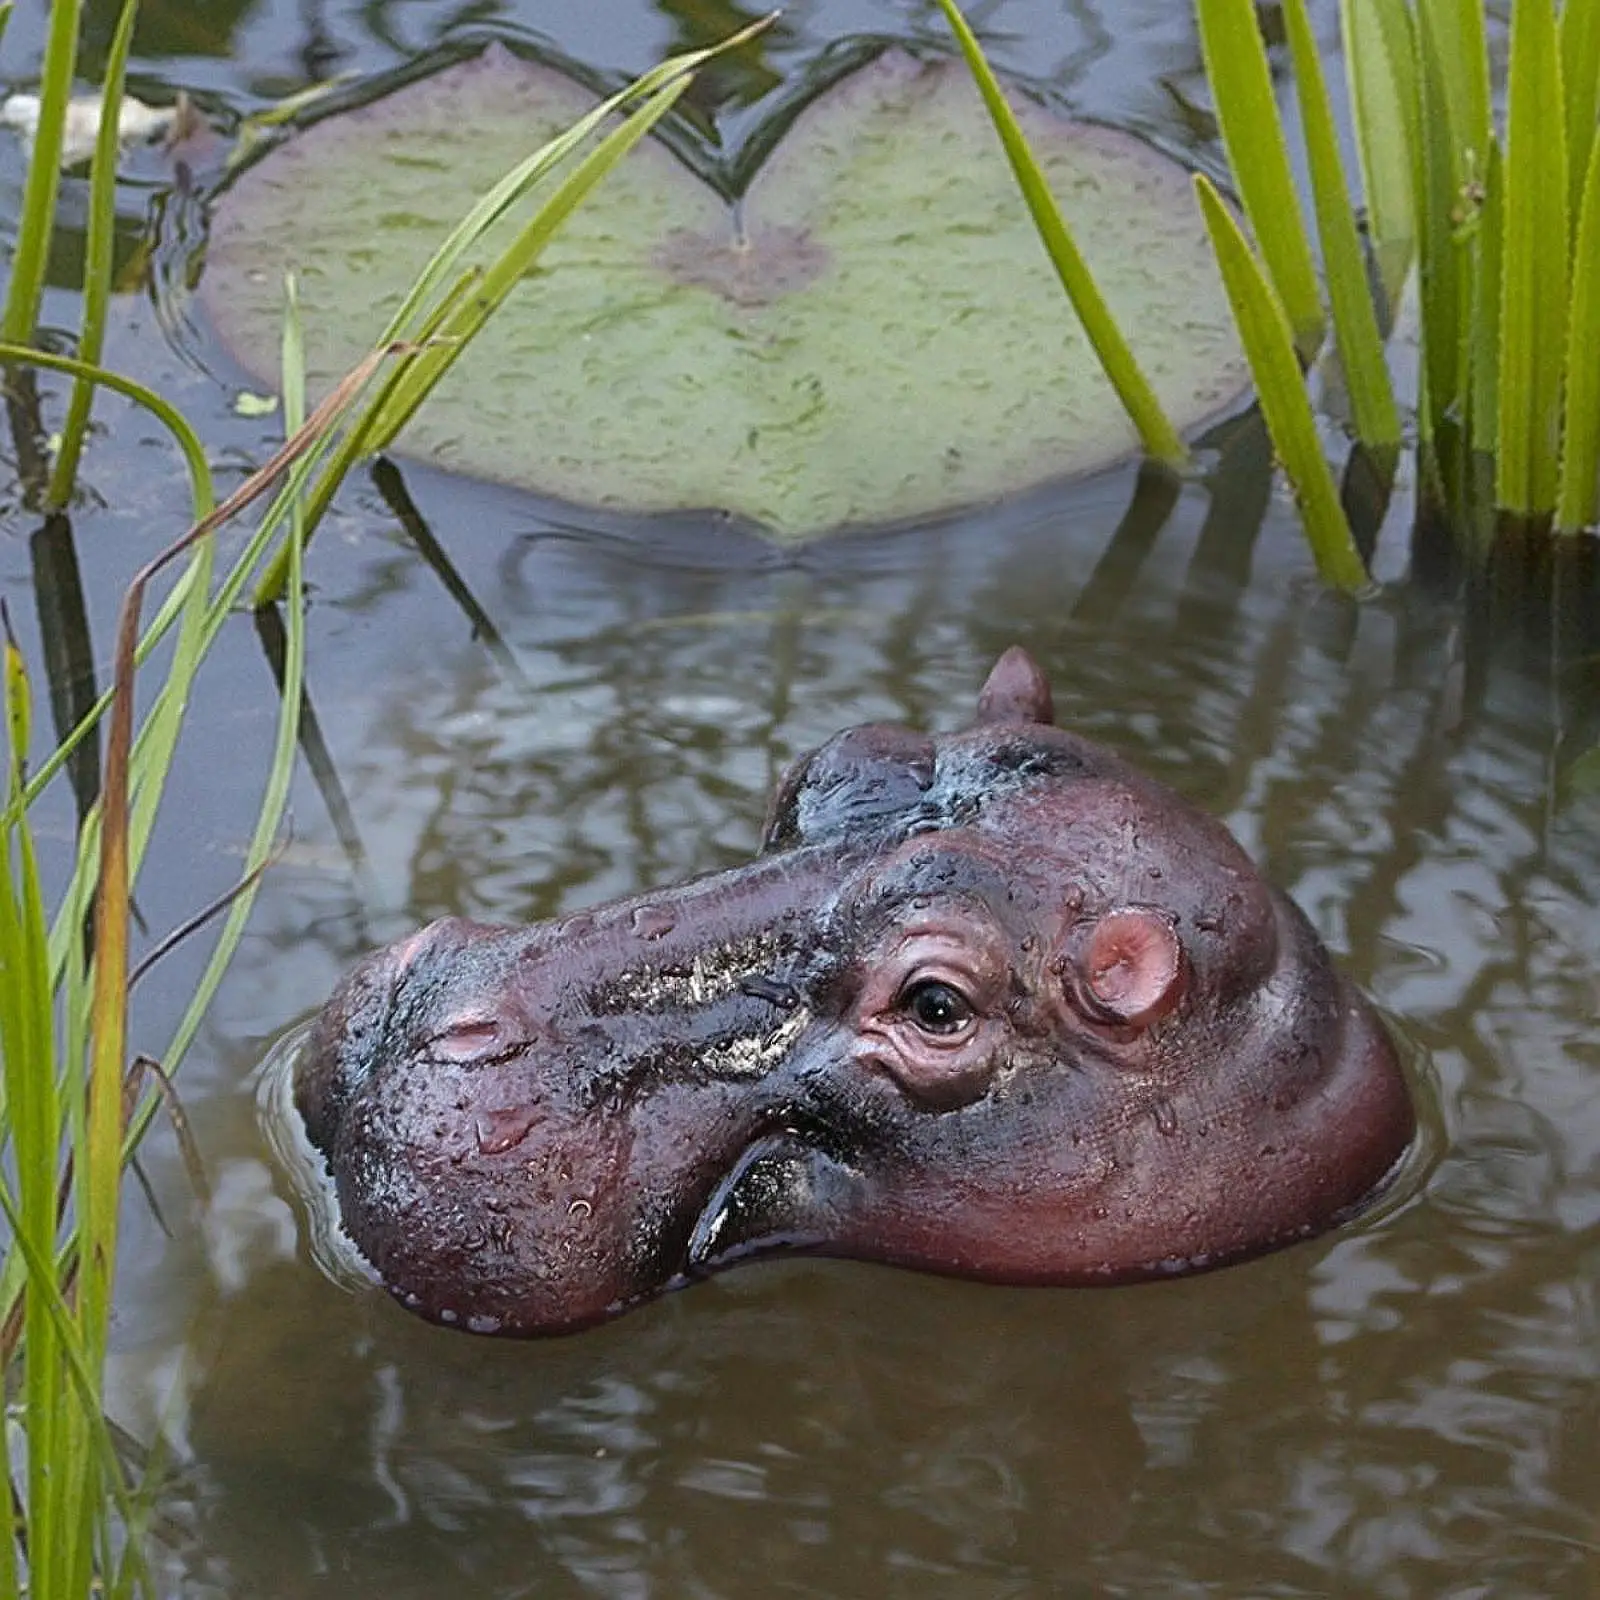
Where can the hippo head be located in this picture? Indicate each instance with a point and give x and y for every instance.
(987, 1003)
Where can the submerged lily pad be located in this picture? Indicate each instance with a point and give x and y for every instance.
(873, 333)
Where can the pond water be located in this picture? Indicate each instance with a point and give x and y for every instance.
(1407, 1409)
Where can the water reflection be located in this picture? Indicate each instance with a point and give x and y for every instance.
(1393, 1411)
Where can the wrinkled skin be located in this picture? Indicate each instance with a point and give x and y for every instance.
(988, 1003)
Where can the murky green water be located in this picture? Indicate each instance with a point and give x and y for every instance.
(1405, 1410)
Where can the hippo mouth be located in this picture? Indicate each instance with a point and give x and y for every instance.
(990, 1004)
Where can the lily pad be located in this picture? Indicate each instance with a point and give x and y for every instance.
(872, 333)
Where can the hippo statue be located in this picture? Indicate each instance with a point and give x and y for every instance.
(988, 1003)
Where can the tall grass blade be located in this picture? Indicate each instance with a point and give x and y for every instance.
(167, 414)
(1268, 340)
(1534, 268)
(83, 1385)
(97, 1136)
(1483, 337)
(33, 1113)
(1241, 86)
(1355, 319)
(1580, 72)
(275, 795)
(99, 243)
(1380, 58)
(1463, 53)
(1444, 295)
(1156, 432)
(103, 1131)
(1579, 502)
(36, 225)
(1457, 130)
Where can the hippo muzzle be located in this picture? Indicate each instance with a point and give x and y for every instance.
(989, 1003)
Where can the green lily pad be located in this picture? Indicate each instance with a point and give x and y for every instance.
(871, 334)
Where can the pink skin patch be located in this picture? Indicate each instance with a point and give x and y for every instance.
(1133, 966)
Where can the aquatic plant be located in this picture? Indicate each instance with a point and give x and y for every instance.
(1496, 235)
(37, 222)
(1502, 228)
(826, 348)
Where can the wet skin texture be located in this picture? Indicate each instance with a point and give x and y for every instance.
(987, 1003)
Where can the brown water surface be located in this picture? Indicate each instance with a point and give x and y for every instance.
(1407, 1409)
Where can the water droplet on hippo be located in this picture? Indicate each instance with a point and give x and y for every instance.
(503, 1129)
(653, 922)
(1166, 1117)
(447, 1315)
(481, 1322)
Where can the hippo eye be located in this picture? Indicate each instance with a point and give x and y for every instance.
(936, 1007)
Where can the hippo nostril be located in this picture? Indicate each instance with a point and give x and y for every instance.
(470, 1040)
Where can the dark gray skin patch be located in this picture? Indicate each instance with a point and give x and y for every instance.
(987, 1003)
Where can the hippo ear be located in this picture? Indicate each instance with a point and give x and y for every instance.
(1016, 690)
(1133, 970)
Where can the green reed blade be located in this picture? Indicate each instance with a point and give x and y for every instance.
(280, 772)
(1483, 336)
(1444, 294)
(1578, 505)
(1156, 432)
(1580, 73)
(1534, 267)
(1268, 340)
(1355, 319)
(33, 1116)
(1241, 86)
(1380, 58)
(168, 415)
(99, 244)
(81, 1393)
(1463, 55)
(36, 225)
